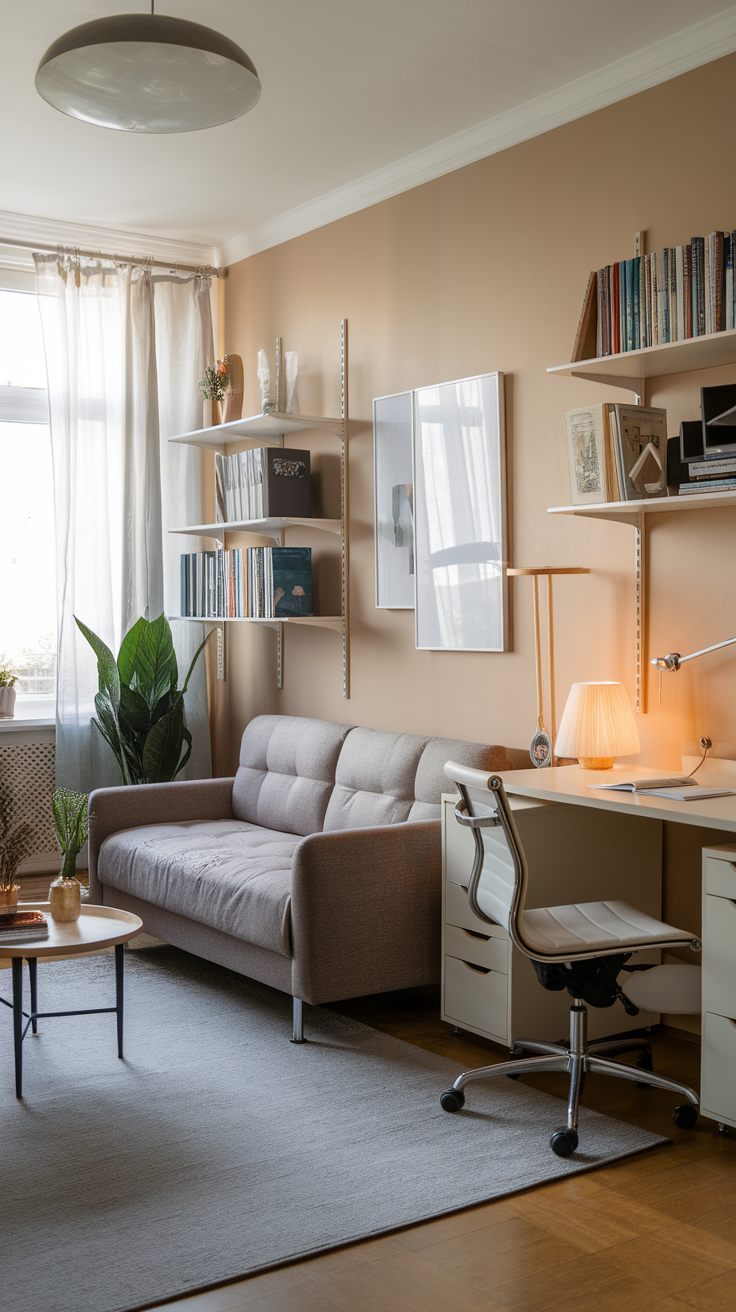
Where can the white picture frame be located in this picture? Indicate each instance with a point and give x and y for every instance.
(393, 479)
(460, 519)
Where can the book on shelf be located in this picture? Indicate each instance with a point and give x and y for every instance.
(670, 295)
(616, 452)
(22, 927)
(251, 583)
(265, 483)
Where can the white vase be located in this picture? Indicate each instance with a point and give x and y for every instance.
(7, 703)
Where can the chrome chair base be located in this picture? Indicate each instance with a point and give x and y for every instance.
(577, 1058)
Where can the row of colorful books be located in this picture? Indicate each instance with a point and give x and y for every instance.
(254, 583)
(668, 296)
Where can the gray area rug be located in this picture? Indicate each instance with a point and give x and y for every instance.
(217, 1147)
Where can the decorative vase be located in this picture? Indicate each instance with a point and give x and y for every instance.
(7, 703)
(232, 402)
(65, 900)
(9, 896)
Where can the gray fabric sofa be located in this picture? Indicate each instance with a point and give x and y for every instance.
(315, 870)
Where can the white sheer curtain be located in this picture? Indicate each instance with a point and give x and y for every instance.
(124, 352)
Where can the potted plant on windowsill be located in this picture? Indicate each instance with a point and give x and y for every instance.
(71, 825)
(8, 680)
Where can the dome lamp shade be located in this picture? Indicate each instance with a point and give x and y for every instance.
(148, 73)
(597, 724)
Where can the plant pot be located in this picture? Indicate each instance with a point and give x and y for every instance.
(9, 896)
(65, 900)
(7, 703)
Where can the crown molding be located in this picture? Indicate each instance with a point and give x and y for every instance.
(108, 241)
(696, 45)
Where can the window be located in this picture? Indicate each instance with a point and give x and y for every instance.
(27, 550)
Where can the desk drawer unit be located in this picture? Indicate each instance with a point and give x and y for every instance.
(476, 998)
(718, 1047)
(719, 955)
(466, 945)
(718, 1085)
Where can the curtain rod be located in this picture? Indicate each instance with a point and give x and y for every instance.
(205, 269)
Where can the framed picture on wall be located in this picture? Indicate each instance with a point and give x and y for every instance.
(460, 516)
(394, 501)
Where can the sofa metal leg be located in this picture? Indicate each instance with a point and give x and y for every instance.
(298, 1035)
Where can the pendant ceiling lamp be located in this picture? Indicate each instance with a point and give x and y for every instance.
(148, 73)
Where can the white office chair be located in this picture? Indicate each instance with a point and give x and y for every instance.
(496, 892)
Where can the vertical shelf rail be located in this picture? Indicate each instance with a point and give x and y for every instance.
(344, 510)
(642, 645)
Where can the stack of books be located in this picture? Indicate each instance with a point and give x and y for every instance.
(261, 484)
(22, 927)
(257, 583)
(669, 296)
(616, 453)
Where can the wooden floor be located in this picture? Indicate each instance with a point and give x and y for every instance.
(656, 1232)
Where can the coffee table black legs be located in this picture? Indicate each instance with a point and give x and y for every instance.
(18, 1024)
(22, 1022)
(33, 977)
(119, 960)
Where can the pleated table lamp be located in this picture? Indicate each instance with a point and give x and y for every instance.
(597, 724)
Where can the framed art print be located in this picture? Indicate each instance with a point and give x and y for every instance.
(460, 516)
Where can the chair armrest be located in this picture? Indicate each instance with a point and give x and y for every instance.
(366, 911)
(113, 809)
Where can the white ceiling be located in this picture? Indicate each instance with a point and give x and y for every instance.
(359, 100)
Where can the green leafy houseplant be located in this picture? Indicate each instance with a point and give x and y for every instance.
(7, 678)
(140, 710)
(71, 825)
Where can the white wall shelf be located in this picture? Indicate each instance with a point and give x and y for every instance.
(627, 512)
(257, 430)
(270, 430)
(264, 527)
(628, 369)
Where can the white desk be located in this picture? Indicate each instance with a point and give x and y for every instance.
(569, 785)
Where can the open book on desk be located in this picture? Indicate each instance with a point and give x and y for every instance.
(679, 789)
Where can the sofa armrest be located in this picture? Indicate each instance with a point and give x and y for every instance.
(113, 809)
(366, 911)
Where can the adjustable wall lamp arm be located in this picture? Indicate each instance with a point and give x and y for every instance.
(674, 660)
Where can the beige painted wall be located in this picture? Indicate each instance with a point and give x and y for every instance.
(480, 270)
(485, 269)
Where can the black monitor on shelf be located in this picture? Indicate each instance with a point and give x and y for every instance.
(718, 405)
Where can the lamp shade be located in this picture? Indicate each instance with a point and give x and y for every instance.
(148, 73)
(597, 724)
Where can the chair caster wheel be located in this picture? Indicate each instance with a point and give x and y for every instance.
(563, 1142)
(685, 1116)
(452, 1100)
(725, 1130)
(644, 1063)
(515, 1054)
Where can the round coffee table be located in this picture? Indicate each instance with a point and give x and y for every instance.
(97, 927)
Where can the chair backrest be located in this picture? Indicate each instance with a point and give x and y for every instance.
(498, 880)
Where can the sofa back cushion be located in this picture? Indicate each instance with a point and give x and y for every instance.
(431, 780)
(287, 772)
(374, 780)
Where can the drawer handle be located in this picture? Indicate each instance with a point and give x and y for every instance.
(472, 933)
(479, 970)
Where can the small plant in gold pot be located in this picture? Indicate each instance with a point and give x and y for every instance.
(71, 825)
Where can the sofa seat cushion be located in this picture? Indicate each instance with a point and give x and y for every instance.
(228, 874)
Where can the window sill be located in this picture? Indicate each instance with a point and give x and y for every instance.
(26, 725)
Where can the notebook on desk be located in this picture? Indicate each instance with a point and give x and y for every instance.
(677, 789)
